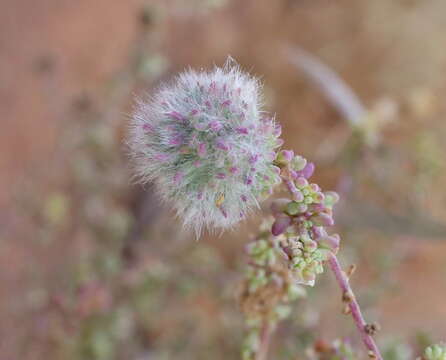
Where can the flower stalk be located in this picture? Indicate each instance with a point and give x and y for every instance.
(289, 177)
(353, 305)
(265, 339)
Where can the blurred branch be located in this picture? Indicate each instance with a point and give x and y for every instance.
(336, 90)
(146, 211)
(348, 104)
(265, 339)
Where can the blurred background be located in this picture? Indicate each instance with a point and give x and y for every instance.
(93, 267)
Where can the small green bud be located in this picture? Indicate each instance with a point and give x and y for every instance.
(435, 352)
(298, 163)
(296, 252)
(284, 157)
(318, 197)
(322, 219)
(331, 198)
(296, 292)
(282, 311)
(298, 262)
(305, 238)
(330, 242)
(293, 208)
(301, 182)
(311, 246)
(280, 225)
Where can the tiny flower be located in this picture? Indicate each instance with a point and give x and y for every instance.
(293, 208)
(330, 242)
(330, 198)
(215, 125)
(322, 219)
(199, 137)
(177, 116)
(301, 182)
(280, 225)
(201, 150)
(242, 130)
(308, 170)
(298, 163)
(284, 157)
(253, 159)
(221, 144)
(178, 177)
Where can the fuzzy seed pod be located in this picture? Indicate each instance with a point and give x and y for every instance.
(206, 143)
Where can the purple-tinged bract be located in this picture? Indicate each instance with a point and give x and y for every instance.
(207, 144)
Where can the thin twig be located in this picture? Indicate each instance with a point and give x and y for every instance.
(336, 90)
(265, 339)
(353, 305)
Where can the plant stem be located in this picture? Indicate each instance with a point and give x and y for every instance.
(265, 337)
(347, 292)
(344, 284)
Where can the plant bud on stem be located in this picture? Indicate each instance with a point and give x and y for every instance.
(294, 186)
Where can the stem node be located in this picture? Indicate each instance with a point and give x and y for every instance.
(372, 328)
(347, 297)
(351, 270)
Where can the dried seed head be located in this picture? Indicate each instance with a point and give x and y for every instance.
(207, 144)
(372, 329)
(347, 297)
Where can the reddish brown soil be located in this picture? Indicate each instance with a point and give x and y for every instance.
(52, 52)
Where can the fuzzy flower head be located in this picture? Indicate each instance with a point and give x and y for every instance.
(206, 143)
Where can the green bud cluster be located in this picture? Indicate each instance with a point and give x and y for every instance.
(301, 221)
(435, 352)
(267, 278)
(260, 270)
(306, 257)
(262, 254)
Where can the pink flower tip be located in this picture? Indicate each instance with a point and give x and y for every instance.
(242, 130)
(308, 170)
(280, 225)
